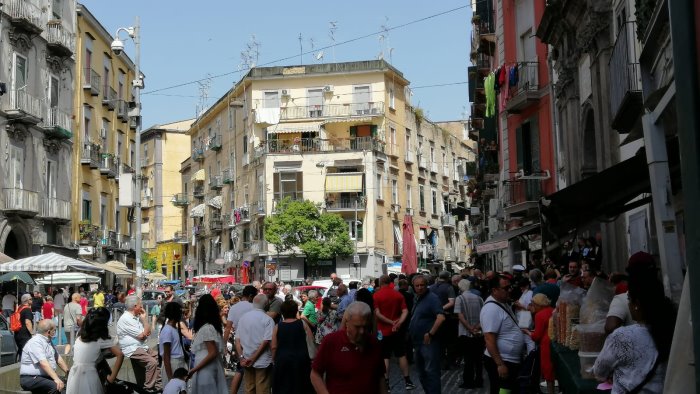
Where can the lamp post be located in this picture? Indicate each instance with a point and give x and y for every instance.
(137, 84)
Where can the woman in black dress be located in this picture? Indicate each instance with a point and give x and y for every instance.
(292, 362)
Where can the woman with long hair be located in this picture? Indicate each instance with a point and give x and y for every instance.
(635, 356)
(289, 350)
(92, 339)
(328, 320)
(208, 346)
(171, 342)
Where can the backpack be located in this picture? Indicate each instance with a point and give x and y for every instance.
(15, 320)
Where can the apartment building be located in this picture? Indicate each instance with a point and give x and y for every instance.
(163, 148)
(342, 135)
(103, 145)
(38, 134)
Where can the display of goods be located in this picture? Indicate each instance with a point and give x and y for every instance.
(587, 361)
(573, 339)
(591, 336)
(561, 326)
(551, 329)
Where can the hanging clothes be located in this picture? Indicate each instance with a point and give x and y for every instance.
(496, 85)
(502, 82)
(490, 92)
(513, 76)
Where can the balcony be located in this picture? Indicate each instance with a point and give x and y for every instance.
(228, 176)
(23, 107)
(110, 239)
(122, 111)
(332, 110)
(127, 169)
(92, 81)
(448, 221)
(392, 150)
(134, 122)
(20, 201)
(24, 15)
(445, 170)
(56, 209)
(215, 223)
(408, 156)
(109, 99)
(216, 182)
(522, 194)
(625, 81)
(59, 42)
(198, 231)
(214, 142)
(87, 233)
(198, 191)
(304, 145)
(57, 124)
(90, 155)
(258, 208)
(180, 200)
(526, 91)
(337, 203)
(181, 237)
(198, 154)
(422, 162)
(433, 167)
(108, 165)
(239, 216)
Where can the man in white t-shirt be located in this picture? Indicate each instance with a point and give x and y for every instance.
(59, 302)
(234, 315)
(253, 338)
(8, 304)
(504, 340)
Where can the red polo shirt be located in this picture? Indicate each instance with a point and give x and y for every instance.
(390, 304)
(349, 370)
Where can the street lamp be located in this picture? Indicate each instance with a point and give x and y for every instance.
(137, 84)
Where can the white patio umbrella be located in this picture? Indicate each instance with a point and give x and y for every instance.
(68, 278)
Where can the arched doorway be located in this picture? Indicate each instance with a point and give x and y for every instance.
(14, 240)
(590, 156)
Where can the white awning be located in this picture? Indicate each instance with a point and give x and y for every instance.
(299, 127)
(198, 176)
(198, 211)
(47, 262)
(215, 202)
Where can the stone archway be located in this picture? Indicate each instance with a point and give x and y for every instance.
(590, 155)
(15, 239)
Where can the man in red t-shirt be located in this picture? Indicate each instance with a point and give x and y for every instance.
(351, 358)
(390, 312)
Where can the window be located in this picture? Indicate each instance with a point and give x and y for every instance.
(421, 197)
(120, 143)
(120, 89)
(394, 191)
(53, 91)
(106, 78)
(380, 189)
(434, 201)
(391, 98)
(56, 9)
(288, 184)
(408, 140)
(103, 211)
(132, 153)
(361, 100)
(16, 169)
(351, 230)
(271, 100)
(88, 60)
(87, 116)
(409, 199)
(245, 144)
(117, 218)
(86, 214)
(432, 154)
(19, 80)
(315, 103)
(103, 135)
(392, 135)
(51, 170)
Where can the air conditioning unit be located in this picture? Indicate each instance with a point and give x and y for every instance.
(103, 133)
(328, 88)
(285, 92)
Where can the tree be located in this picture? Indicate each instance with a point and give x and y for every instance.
(148, 262)
(299, 224)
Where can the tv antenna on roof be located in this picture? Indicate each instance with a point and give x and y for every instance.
(333, 26)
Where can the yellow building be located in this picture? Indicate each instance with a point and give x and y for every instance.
(343, 135)
(103, 148)
(163, 148)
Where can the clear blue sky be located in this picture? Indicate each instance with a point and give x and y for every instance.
(186, 41)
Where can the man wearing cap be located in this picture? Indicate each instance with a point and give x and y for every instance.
(26, 318)
(619, 312)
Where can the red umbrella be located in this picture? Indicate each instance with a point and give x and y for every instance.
(409, 260)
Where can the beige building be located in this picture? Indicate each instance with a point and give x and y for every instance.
(342, 135)
(103, 147)
(163, 148)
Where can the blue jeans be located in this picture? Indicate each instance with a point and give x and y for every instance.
(427, 359)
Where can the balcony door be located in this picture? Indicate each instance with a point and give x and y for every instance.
(51, 170)
(360, 98)
(15, 177)
(315, 103)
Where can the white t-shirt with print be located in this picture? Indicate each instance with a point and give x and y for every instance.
(509, 339)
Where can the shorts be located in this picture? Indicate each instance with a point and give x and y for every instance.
(393, 344)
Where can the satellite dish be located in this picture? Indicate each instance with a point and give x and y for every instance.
(319, 55)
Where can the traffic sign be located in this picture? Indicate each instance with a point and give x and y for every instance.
(356, 259)
(271, 272)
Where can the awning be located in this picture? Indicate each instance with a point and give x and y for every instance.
(198, 176)
(501, 241)
(198, 211)
(215, 202)
(302, 127)
(344, 182)
(345, 119)
(601, 196)
(114, 270)
(47, 262)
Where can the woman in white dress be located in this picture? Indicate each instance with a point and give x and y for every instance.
(94, 336)
(207, 376)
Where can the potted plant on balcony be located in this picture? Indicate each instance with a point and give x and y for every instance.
(85, 230)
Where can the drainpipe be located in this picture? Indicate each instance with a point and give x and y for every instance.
(555, 121)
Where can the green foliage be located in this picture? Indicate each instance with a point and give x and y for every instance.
(299, 224)
(148, 262)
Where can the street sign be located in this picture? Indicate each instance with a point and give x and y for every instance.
(356, 259)
(271, 272)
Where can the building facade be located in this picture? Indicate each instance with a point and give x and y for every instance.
(163, 148)
(341, 135)
(104, 145)
(37, 73)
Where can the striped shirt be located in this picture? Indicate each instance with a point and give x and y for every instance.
(469, 305)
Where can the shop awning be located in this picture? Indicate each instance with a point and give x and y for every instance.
(501, 241)
(114, 270)
(601, 196)
(215, 202)
(199, 176)
(344, 182)
(198, 211)
(299, 127)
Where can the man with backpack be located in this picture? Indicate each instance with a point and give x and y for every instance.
(22, 323)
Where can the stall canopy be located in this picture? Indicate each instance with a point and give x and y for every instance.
(17, 276)
(500, 241)
(214, 279)
(601, 196)
(67, 278)
(198, 211)
(303, 127)
(51, 262)
(116, 271)
(198, 176)
(5, 258)
(346, 182)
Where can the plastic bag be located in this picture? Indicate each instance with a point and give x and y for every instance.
(597, 301)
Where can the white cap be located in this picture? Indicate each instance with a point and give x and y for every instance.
(518, 267)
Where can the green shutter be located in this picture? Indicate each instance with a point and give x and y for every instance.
(353, 131)
(373, 129)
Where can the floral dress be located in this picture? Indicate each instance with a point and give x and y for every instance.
(328, 322)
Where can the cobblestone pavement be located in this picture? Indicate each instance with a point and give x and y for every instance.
(451, 379)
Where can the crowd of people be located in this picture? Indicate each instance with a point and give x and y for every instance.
(493, 322)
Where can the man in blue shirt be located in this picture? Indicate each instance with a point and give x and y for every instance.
(426, 318)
